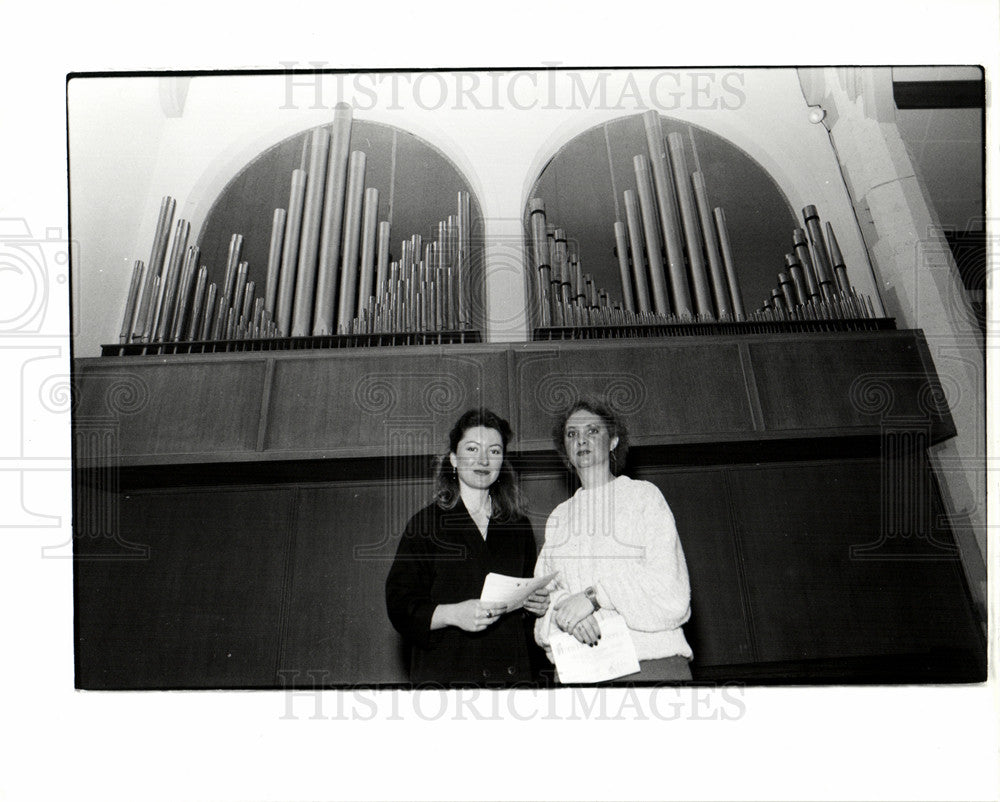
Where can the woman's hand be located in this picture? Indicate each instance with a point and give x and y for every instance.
(571, 611)
(471, 615)
(588, 631)
(538, 602)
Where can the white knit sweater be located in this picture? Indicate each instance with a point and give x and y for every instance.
(621, 539)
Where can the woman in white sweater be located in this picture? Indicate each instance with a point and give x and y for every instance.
(615, 548)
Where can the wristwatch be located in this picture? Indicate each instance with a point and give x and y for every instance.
(591, 594)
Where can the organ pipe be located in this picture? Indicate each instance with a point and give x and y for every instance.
(369, 230)
(289, 253)
(651, 232)
(327, 279)
(722, 230)
(692, 228)
(352, 239)
(130, 302)
(312, 222)
(666, 202)
(720, 285)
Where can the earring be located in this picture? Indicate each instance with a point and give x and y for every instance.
(614, 460)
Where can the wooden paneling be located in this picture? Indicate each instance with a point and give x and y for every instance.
(399, 403)
(182, 410)
(843, 381)
(667, 391)
(203, 610)
(719, 629)
(345, 539)
(392, 401)
(265, 585)
(544, 491)
(814, 595)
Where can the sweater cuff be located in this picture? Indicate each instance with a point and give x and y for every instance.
(602, 596)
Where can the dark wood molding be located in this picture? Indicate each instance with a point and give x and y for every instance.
(939, 94)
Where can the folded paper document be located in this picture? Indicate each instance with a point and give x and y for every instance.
(511, 590)
(612, 657)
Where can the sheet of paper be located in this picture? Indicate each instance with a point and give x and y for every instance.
(511, 590)
(612, 657)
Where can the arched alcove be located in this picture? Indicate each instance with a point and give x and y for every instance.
(418, 188)
(583, 183)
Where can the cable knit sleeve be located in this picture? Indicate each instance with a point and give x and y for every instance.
(652, 592)
(543, 567)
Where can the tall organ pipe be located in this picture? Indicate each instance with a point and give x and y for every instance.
(542, 268)
(692, 228)
(232, 264)
(197, 305)
(823, 270)
(621, 246)
(130, 302)
(666, 202)
(289, 253)
(735, 295)
(720, 288)
(327, 277)
(165, 303)
(464, 255)
(839, 269)
(651, 228)
(369, 226)
(149, 291)
(312, 222)
(635, 237)
(352, 237)
(801, 248)
(382, 258)
(274, 259)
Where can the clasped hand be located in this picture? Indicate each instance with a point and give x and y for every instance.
(538, 602)
(575, 615)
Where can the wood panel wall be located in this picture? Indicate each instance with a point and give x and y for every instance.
(265, 585)
(371, 402)
(235, 516)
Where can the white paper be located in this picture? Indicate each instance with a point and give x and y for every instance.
(511, 590)
(613, 656)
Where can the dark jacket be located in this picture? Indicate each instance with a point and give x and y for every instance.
(443, 559)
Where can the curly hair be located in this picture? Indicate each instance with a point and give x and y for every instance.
(505, 493)
(615, 426)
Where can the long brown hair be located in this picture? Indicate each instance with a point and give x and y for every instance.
(505, 493)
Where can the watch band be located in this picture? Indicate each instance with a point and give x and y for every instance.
(591, 594)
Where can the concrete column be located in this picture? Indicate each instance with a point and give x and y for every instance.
(918, 281)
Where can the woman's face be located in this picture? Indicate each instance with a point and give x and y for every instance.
(587, 440)
(478, 458)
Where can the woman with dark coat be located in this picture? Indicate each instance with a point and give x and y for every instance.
(475, 526)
